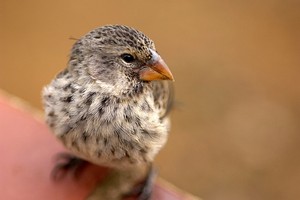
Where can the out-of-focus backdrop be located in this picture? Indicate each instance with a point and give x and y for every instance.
(236, 130)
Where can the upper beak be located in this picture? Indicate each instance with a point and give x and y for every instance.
(156, 69)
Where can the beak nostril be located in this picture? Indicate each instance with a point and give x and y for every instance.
(156, 70)
(154, 57)
(157, 64)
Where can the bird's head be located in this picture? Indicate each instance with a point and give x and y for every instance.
(115, 53)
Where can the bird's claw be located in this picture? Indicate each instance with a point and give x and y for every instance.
(143, 191)
(67, 163)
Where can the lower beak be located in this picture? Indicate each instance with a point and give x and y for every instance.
(156, 70)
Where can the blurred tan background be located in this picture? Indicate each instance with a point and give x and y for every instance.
(235, 132)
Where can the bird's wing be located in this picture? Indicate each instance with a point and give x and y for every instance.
(163, 93)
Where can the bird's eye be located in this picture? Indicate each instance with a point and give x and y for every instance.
(127, 57)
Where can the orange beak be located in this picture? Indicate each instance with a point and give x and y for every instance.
(156, 69)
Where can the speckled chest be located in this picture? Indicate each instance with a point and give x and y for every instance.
(102, 128)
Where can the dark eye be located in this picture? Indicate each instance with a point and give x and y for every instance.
(127, 57)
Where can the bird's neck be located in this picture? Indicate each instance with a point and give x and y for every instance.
(115, 84)
(122, 88)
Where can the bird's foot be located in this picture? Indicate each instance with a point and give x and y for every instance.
(122, 184)
(67, 163)
(143, 191)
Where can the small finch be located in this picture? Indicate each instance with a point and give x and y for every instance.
(110, 107)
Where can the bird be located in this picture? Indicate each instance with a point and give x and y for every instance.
(110, 106)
